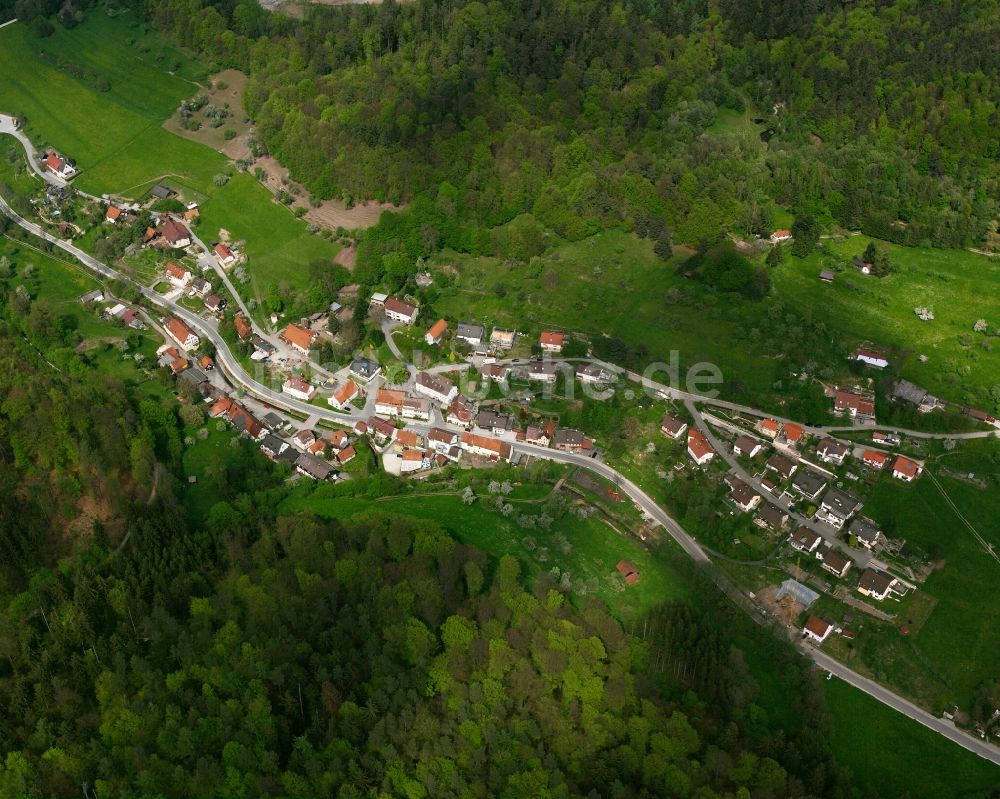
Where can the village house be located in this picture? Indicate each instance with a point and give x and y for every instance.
(809, 483)
(345, 455)
(876, 584)
(445, 442)
(272, 446)
(161, 192)
(551, 341)
(224, 254)
(804, 540)
(568, 440)
(112, 214)
(460, 412)
(59, 166)
(399, 311)
(214, 303)
(915, 395)
(699, 450)
(299, 338)
(470, 334)
(781, 465)
(182, 334)
(199, 287)
(176, 235)
(262, 348)
(779, 236)
(304, 439)
(591, 374)
(831, 451)
(378, 299)
(318, 448)
(177, 274)
(837, 507)
(871, 358)
(408, 439)
(792, 433)
(672, 427)
(435, 387)
(768, 427)
(436, 332)
(540, 435)
(243, 327)
(206, 363)
(874, 458)
(866, 531)
(771, 517)
(316, 468)
(834, 561)
(628, 572)
(742, 494)
(497, 372)
(495, 424)
(905, 469)
(486, 447)
(297, 387)
(195, 378)
(747, 446)
(381, 430)
(501, 339)
(169, 357)
(341, 398)
(131, 318)
(416, 408)
(853, 405)
(885, 439)
(245, 422)
(365, 369)
(542, 371)
(191, 214)
(220, 408)
(817, 629)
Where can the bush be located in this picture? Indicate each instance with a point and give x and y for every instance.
(229, 134)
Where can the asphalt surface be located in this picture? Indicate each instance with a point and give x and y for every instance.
(228, 363)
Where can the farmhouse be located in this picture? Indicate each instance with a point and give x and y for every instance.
(804, 540)
(551, 341)
(170, 357)
(542, 371)
(837, 507)
(743, 495)
(435, 332)
(905, 469)
(224, 255)
(243, 328)
(831, 451)
(876, 584)
(298, 388)
(497, 424)
(400, 311)
(177, 274)
(699, 450)
(781, 465)
(834, 561)
(97, 295)
(176, 234)
(874, 458)
(182, 334)
(161, 192)
(915, 395)
(672, 426)
(341, 398)
(817, 629)
(299, 338)
(435, 387)
(470, 334)
(501, 339)
(486, 447)
(365, 369)
(866, 531)
(540, 436)
(871, 358)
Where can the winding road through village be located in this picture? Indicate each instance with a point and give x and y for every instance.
(225, 359)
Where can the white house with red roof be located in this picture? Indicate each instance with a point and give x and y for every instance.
(59, 166)
(112, 214)
(297, 387)
(552, 341)
(905, 469)
(400, 311)
(699, 450)
(779, 236)
(182, 334)
(874, 458)
(817, 629)
(178, 275)
(224, 254)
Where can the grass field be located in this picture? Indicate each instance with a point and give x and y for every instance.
(960, 286)
(896, 756)
(594, 548)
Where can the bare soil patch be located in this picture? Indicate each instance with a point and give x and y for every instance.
(347, 256)
(230, 97)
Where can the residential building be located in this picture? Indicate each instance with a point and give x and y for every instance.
(221, 407)
(206, 363)
(194, 377)
(304, 439)
(871, 358)
(408, 439)
(542, 371)
(743, 495)
(793, 433)
(805, 540)
(495, 424)
(416, 408)
(342, 397)
(436, 332)
(243, 328)
(589, 373)
(834, 561)
(272, 446)
(112, 214)
(837, 507)
(177, 274)
(224, 254)
(831, 451)
(771, 517)
(345, 455)
(699, 450)
(176, 234)
(540, 435)
(885, 439)
(297, 387)
(470, 334)
(389, 402)
(314, 467)
(672, 426)
(381, 430)
(444, 441)
(551, 341)
(400, 311)
(182, 334)
(781, 465)
(876, 584)
(817, 629)
(497, 372)
(768, 427)
(778, 236)
(874, 458)
(905, 469)
(866, 531)
(199, 287)
(569, 440)
(852, 404)
(378, 299)
(747, 446)
(435, 387)
(501, 339)
(161, 192)
(365, 369)
(299, 338)
(486, 447)
(809, 483)
(338, 438)
(460, 412)
(915, 395)
(59, 166)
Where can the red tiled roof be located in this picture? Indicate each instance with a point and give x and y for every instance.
(770, 425)
(875, 458)
(818, 626)
(346, 454)
(113, 213)
(176, 270)
(346, 392)
(437, 329)
(905, 466)
(407, 438)
(400, 307)
(243, 327)
(793, 432)
(697, 444)
(174, 231)
(178, 329)
(552, 338)
(298, 336)
(223, 251)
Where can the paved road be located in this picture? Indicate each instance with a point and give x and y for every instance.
(228, 363)
(7, 126)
